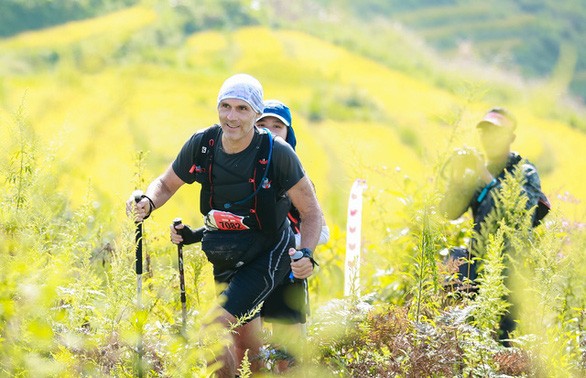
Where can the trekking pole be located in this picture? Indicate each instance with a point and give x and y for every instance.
(137, 194)
(176, 223)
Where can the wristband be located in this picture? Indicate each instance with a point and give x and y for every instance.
(305, 252)
(151, 205)
(309, 254)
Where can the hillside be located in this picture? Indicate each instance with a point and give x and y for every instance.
(539, 40)
(534, 39)
(330, 90)
(93, 109)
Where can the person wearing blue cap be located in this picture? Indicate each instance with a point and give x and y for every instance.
(248, 182)
(276, 117)
(288, 306)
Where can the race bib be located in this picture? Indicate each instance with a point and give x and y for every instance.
(225, 221)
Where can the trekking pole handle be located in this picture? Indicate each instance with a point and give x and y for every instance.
(137, 194)
(177, 222)
(298, 255)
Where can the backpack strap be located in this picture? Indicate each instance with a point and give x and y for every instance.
(264, 196)
(259, 178)
(543, 205)
(512, 163)
(202, 167)
(295, 220)
(268, 209)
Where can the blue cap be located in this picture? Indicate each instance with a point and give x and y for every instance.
(275, 108)
(243, 87)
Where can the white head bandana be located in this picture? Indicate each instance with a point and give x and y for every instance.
(243, 87)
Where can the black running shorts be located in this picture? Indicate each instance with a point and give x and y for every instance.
(288, 303)
(251, 264)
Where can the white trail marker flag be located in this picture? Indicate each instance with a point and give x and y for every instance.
(353, 239)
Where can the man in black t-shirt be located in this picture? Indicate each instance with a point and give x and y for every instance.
(287, 306)
(251, 262)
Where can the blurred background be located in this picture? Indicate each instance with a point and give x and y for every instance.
(374, 85)
(98, 96)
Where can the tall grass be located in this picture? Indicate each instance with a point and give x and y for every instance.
(68, 293)
(69, 296)
(429, 334)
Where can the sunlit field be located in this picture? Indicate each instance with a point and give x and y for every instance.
(92, 110)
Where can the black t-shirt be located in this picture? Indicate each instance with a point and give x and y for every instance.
(231, 172)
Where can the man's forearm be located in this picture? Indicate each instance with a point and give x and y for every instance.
(311, 226)
(158, 192)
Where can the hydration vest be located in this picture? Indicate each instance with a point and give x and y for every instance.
(295, 220)
(543, 205)
(268, 211)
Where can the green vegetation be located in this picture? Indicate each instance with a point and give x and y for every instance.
(92, 109)
(17, 16)
(529, 37)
